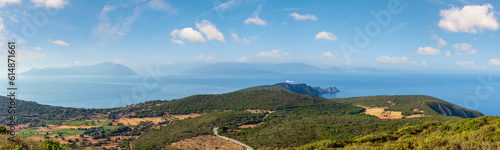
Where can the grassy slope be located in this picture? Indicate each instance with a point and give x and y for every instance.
(299, 119)
(405, 103)
(238, 101)
(477, 133)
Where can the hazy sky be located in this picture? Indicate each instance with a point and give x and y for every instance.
(417, 35)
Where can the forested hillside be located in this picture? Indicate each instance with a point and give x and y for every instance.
(477, 133)
(273, 119)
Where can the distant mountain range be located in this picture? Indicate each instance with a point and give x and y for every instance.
(224, 68)
(247, 68)
(102, 69)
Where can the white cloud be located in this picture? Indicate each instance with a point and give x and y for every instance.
(37, 48)
(227, 5)
(298, 17)
(466, 64)
(326, 35)
(428, 51)
(177, 41)
(210, 31)
(159, 5)
(242, 41)
(6, 2)
(204, 57)
(273, 54)
(255, 20)
(466, 48)
(421, 64)
(447, 54)
(2, 27)
(462, 47)
(13, 18)
(242, 59)
(440, 41)
(470, 19)
(329, 55)
(78, 62)
(112, 28)
(494, 62)
(60, 42)
(187, 33)
(392, 60)
(50, 3)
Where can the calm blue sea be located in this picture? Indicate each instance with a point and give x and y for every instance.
(475, 91)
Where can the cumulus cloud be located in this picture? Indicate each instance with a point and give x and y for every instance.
(242, 41)
(177, 41)
(6, 2)
(464, 48)
(494, 62)
(50, 3)
(326, 35)
(329, 55)
(298, 17)
(466, 63)
(447, 54)
(440, 41)
(470, 19)
(428, 51)
(204, 57)
(210, 31)
(273, 54)
(392, 60)
(421, 64)
(60, 42)
(242, 59)
(255, 18)
(37, 48)
(187, 33)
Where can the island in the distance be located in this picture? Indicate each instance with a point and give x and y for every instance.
(301, 88)
(101, 69)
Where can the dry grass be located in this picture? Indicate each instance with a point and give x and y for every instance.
(206, 142)
(250, 125)
(182, 117)
(381, 113)
(258, 111)
(136, 121)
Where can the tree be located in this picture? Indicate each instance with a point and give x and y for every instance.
(52, 145)
(3, 130)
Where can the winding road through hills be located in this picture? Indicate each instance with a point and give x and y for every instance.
(232, 140)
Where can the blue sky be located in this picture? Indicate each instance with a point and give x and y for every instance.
(427, 35)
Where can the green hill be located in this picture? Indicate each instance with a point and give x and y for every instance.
(406, 104)
(295, 88)
(297, 119)
(477, 133)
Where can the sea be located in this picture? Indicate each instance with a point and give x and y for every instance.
(474, 91)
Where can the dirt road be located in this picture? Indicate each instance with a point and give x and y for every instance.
(232, 140)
